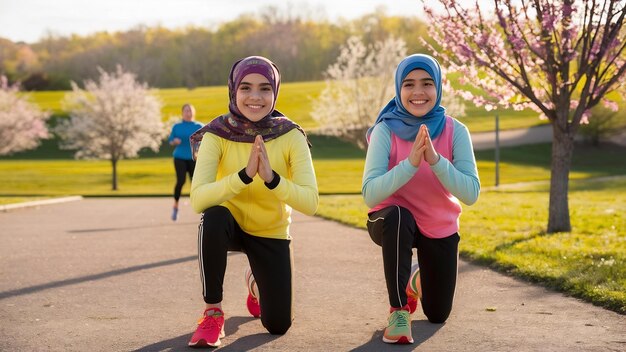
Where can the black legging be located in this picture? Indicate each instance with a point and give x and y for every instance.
(182, 167)
(270, 261)
(394, 229)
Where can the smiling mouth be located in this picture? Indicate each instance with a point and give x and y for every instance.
(255, 107)
(419, 102)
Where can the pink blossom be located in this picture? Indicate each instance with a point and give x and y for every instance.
(610, 104)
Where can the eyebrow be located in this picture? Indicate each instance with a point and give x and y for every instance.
(249, 84)
(421, 79)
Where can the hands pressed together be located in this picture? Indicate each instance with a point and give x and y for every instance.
(258, 162)
(423, 149)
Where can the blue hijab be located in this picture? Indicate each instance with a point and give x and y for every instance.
(399, 120)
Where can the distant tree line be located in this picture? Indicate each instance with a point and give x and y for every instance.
(199, 56)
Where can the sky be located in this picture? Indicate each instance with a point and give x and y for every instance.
(30, 20)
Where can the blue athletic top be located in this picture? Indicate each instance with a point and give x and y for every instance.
(182, 130)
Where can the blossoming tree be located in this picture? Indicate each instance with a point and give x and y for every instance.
(112, 119)
(358, 85)
(22, 124)
(560, 58)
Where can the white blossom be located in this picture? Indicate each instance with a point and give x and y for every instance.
(111, 119)
(22, 124)
(358, 85)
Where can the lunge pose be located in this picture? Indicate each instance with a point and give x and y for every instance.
(253, 167)
(420, 163)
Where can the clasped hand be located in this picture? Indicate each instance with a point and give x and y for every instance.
(423, 149)
(258, 162)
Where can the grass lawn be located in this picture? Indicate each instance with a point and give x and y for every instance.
(505, 229)
(13, 200)
(295, 101)
(338, 165)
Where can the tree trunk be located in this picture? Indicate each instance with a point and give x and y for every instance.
(114, 175)
(562, 151)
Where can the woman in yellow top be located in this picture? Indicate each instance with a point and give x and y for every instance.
(253, 167)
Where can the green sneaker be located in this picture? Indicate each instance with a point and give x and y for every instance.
(399, 328)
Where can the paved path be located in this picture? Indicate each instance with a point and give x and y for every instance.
(511, 138)
(532, 135)
(117, 275)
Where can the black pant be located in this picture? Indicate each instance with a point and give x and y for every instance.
(270, 261)
(394, 229)
(182, 167)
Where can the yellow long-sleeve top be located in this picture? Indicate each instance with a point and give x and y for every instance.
(258, 210)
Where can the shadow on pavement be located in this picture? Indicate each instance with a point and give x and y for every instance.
(110, 229)
(231, 325)
(173, 344)
(81, 279)
(94, 277)
(422, 331)
(249, 342)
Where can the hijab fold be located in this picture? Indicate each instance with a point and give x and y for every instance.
(233, 125)
(394, 114)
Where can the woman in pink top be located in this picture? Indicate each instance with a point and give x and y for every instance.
(419, 167)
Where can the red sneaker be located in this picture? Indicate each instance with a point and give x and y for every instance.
(253, 296)
(413, 289)
(210, 329)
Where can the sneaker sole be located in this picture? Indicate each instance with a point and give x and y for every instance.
(203, 343)
(401, 341)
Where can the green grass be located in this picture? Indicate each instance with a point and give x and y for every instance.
(213, 101)
(338, 166)
(505, 229)
(14, 200)
(294, 100)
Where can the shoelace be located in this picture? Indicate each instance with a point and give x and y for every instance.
(208, 322)
(400, 320)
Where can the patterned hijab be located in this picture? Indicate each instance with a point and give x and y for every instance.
(233, 125)
(399, 120)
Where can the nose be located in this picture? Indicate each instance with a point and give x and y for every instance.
(418, 91)
(255, 94)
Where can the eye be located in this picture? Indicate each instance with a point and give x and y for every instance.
(266, 89)
(244, 88)
(407, 85)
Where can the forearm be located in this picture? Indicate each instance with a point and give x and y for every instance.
(300, 190)
(206, 190)
(460, 177)
(379, 184)
(462, 183)
(301, 197)
(207, 194)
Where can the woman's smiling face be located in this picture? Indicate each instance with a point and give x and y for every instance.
(255, 97)
(418, 93)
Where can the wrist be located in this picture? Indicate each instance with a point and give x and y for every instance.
(274, 182)
(243, 175)
(437, 158)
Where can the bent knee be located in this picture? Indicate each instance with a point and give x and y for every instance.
(277, 327)
(216, 211)
(438, 318)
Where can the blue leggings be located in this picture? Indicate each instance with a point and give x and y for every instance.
(394, 229)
